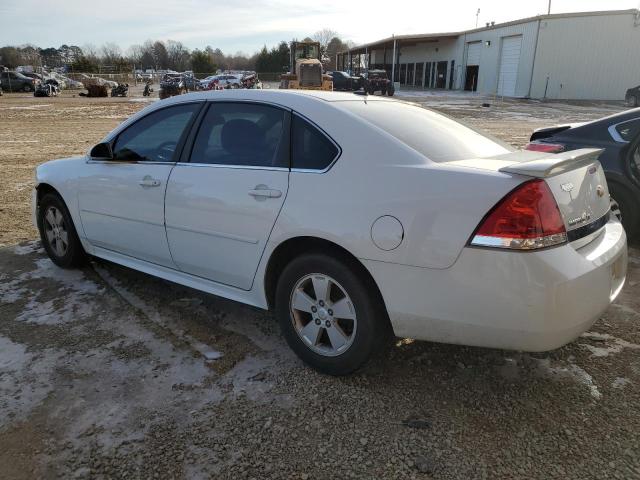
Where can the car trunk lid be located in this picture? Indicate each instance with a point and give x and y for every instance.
(575, 178)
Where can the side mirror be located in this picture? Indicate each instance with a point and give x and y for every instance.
(102, 151)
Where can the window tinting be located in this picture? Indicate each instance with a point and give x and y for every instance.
(629, 130)
(310, 148)
(155, 137)
(241, 134)
(436, 136)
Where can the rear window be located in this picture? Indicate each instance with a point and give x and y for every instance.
(436, 136)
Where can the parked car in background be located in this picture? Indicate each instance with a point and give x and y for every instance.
(17, 82)
(172, 84)
(230, 80)
(342, 81)
(632, 97)
(377, 81)
(619, 137)
(33, 75)
(257, 196)
(208, 83)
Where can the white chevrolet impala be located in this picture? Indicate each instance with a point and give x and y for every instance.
(354, 217)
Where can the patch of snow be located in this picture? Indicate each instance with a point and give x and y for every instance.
(615, 345)
(33, 246)
(570, 371)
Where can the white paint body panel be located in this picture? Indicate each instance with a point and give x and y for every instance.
(119, 214)
(216, 229)
(434, 287)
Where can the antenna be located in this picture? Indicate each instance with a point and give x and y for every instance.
(477, 15)
(549, 8)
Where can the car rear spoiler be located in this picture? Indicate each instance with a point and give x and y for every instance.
(555, 163)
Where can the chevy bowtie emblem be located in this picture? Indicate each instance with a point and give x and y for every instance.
(567, 187)
(600, 190)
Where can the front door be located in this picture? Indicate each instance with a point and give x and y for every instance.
(223, 203)
(122, 200)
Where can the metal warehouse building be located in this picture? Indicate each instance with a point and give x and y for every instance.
(590, 56)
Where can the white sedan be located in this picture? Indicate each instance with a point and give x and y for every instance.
(354, 217)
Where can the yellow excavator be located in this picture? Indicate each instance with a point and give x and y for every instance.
(306, 68)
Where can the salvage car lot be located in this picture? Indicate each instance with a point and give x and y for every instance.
(106, 371)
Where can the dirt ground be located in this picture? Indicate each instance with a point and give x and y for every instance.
(109, 373)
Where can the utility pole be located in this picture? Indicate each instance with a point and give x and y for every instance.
(478, 14)
(549, 8)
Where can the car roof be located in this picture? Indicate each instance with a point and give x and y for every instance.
(274, 96)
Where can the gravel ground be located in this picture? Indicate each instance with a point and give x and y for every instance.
(109, 373)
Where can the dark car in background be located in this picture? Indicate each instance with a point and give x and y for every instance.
(619, 137)
(17, 82)
(344, 82)
(632, 97)
(378, 81)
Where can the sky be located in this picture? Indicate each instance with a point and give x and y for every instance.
(245, 26)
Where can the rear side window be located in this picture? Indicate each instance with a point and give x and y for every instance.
(310, 148)
(628, 131)
(242, 134)
(436, 136)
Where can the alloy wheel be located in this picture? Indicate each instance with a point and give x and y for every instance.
(323, 314)
(56, 231)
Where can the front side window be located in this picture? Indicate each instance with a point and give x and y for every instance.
(310, 148)
(243, 134)
(155, 137)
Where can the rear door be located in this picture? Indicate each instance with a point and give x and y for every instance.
(222, 204)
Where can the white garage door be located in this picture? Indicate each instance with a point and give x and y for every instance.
(473, 53)
(509, 61)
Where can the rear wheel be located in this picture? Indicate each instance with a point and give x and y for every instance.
(632, 101)
(26, 88)
(328, 315)
(626, 208)
(390, 92)
(58, 233)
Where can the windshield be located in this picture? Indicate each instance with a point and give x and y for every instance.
(306, 51)
(436, 136)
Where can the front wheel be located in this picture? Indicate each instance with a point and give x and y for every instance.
(632, 101)
(58, 233)
(328, 314)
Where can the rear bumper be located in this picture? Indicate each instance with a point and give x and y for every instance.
(532, 301)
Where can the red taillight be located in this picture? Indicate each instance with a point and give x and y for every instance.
(544, 147)
(526, 219)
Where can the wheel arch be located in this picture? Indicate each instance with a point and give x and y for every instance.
(293, 247)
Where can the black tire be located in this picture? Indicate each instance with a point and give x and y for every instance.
(632, 101)
(383, 92)
(27, 88)
(372, 321)
(74, 254)
(390, 92)
(629, 209)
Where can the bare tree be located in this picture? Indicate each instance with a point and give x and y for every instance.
(178, 55)
(324, 36)
(111, 53)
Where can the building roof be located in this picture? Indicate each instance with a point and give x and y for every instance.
(427, 36)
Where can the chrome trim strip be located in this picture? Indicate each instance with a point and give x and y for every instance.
(614, 133)
(241, 167)
(155, 224)
(125, 162)
(213, 233)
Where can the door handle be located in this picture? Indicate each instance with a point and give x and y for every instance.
(265, 192)
(149, 182)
